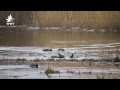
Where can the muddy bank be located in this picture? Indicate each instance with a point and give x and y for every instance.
(26, 72)
(85, 69)
(63, 63)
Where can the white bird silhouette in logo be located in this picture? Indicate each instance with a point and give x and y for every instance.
(10, 18)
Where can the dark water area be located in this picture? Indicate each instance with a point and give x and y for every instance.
(54, 38)
(29, 42)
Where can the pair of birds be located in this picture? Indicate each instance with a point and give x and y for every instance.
(62, 56)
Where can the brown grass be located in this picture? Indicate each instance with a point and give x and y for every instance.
(84, 19)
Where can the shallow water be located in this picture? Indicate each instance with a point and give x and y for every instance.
(25, 72)
(29, 42)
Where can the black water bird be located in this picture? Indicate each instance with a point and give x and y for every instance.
(61, 50)
(71, 56)
(54, 57)
(34, 65)
(47, 49)
(61, 56)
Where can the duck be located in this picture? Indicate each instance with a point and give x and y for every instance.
(71, 56)
(61, 50)
(47, 49)
(61, 56)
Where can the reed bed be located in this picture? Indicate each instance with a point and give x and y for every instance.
(83, 19)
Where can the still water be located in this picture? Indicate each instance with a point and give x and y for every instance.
(29, 42)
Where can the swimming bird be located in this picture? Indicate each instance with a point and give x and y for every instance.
(47, 50)
(71, 56)
(61, 56)
(61, 50)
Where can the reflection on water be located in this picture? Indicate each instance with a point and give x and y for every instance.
(85, 42)
(10, 37)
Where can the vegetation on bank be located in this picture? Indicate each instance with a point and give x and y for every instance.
(23, 59)
(83, 19)
(116, 59)
(50, 71)
(100, 77)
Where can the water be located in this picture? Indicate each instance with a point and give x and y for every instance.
(25, 72)
(29, 42)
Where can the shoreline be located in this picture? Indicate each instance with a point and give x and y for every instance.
(64, 63)
(61, 69)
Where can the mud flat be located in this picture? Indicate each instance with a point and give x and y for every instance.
(63, 63)
(12, 69)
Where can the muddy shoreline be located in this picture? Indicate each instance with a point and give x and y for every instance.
(64, 63)
(85, 69)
